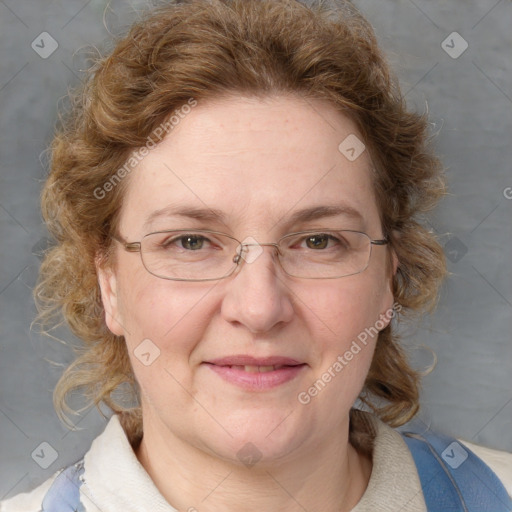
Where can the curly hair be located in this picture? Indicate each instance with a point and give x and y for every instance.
(207, 49)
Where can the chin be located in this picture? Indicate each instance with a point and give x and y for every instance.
(257, 437)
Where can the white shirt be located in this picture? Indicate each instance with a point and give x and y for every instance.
(114, 480)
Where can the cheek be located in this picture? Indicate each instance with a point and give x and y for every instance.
(169, 313)
(342, 310)
(164, 322)
(342, 323)
(344, 320)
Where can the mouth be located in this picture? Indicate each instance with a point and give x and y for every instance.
(259, 369)
(252, 374)
(251, 361)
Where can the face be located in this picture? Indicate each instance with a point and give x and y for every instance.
(257, 163)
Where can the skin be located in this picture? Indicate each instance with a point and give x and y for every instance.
(258, 161)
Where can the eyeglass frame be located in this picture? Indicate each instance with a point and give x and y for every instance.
(137, 247)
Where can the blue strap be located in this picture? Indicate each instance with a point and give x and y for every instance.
(453, 478)
(64, 493)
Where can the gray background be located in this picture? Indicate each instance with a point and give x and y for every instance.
(469, 394)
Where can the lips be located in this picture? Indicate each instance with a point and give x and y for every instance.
(255, 368)
(243, 360)
(256, 374)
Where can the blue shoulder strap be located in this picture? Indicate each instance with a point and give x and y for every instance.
(453, 478)
(64, 493)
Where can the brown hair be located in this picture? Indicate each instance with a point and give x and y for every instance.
(206, 49)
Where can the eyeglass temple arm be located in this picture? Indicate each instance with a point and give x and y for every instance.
(128, 246)
(379, 242)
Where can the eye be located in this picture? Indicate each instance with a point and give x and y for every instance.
(192, 242)
(319, 241)
(189, 242)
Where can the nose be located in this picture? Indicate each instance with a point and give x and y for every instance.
(256, 295)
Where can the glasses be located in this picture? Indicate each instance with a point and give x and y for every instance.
(190, 255)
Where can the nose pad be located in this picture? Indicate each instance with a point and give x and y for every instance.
(249, 250)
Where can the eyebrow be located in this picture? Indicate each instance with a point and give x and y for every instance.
(320, 212)
(204, 214)
(213, 215)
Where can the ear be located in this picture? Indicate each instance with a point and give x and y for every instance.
(389, 304)
(393, 260)
(109, 296)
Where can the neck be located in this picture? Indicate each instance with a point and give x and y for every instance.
(330, 477)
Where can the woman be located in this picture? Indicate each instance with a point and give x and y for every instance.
(235, 203)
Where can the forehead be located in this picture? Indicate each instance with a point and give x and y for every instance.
(255, 161)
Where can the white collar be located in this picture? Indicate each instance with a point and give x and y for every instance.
(115, 480)
(394, 483)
